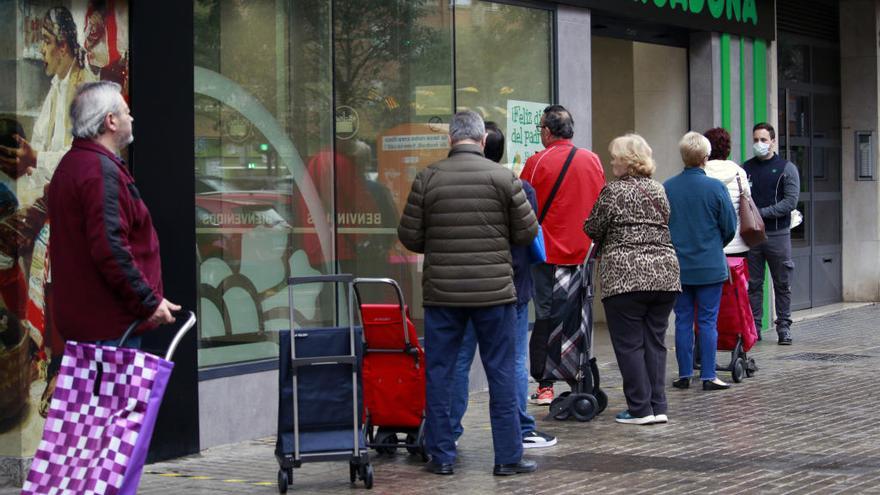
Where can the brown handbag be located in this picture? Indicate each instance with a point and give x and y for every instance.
(751, 225)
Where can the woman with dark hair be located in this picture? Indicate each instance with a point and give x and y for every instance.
(734, 179)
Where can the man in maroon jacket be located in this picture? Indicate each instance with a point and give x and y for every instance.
(104, 252)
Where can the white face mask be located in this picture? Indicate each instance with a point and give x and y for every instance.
(762, 149)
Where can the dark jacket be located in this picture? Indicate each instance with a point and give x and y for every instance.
(629, 223)
(522, 268)
(464, 213)
(103, 250)
(776, 186)
(702, 221)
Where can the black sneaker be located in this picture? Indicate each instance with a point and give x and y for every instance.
(520, 467)
(537, 440)
(784, 337)
(681, 383)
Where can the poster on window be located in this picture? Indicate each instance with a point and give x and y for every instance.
(524, 137)
(55, 46)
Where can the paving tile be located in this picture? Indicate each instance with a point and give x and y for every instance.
(805, 423)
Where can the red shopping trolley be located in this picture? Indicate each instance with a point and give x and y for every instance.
(736, 326)
(393, 375)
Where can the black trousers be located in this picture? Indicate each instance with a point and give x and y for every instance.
(637, 323)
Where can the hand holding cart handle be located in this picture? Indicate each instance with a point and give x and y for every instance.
(187, 325)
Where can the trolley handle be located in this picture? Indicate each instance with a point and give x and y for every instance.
(187, 325)
(389, 281)
(342, 278)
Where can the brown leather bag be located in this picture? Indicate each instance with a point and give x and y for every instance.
(751, 225)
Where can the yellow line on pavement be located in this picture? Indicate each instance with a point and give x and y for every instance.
(210, 478)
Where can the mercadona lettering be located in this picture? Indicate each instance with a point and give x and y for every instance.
(734, 10)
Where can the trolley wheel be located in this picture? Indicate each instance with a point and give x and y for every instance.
(413, 440)
(585, 407)
(386, 443)
(368, 477)
(556, 409)
(352, 471)
(751, 368)
(601, 400)
(739, 369)
(283, 481)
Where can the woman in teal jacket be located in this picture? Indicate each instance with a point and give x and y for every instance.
(702, 222)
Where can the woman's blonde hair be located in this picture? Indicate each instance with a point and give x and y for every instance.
(634, 152)
(695, 149)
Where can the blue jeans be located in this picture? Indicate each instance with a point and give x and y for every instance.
(701, 301)
(459, 397)
(444, 332)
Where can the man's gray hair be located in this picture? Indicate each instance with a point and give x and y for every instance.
(93, 101)
(467, 125)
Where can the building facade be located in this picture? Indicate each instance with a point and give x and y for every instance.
(279, 138)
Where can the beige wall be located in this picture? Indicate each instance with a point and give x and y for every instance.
(661, 102)
(613, 90)
(861, 199)
(643, 88)
(640, 87)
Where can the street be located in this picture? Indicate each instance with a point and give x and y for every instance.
(803, 424)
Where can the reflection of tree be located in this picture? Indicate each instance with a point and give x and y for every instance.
(372, 39)
(503, 52)
(381, 49)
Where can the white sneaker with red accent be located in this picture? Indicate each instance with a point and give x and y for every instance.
(543, 397)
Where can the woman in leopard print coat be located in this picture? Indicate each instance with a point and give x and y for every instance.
(639, 274)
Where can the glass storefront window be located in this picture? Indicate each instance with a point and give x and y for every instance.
(393, 96)
(261, 109)
(504, 70)
(310, 129)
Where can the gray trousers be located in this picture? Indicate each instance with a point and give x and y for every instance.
(776, 252)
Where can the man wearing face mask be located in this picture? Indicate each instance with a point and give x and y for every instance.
(775, 187)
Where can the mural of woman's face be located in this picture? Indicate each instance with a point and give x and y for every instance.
(52, 53)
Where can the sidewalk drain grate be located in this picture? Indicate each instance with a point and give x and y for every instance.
(823, 356)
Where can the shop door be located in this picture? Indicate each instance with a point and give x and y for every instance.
(810, 137)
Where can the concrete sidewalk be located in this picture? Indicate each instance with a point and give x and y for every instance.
(804, 424)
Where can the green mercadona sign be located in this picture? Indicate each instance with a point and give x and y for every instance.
(751, 18)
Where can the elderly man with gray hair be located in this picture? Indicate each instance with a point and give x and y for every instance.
(106, 271)
(464, 213)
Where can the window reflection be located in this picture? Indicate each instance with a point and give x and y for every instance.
(254, 123)
(310, 129)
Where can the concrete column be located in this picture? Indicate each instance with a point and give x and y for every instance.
(575, 76)
(859, 97)
(705, 80)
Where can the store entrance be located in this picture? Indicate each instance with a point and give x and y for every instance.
(640, 87)
(810, 137)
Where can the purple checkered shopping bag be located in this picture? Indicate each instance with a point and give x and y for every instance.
(101, 420)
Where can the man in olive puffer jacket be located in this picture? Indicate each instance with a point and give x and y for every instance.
(463, 213)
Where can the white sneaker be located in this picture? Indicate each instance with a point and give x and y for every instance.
(537, 440)
(660, 418)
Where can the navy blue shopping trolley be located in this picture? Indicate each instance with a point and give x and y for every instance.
(320, 393)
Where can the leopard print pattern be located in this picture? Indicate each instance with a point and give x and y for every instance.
(629, 224)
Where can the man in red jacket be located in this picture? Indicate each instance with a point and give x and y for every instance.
(104, 252)
(562, 222)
